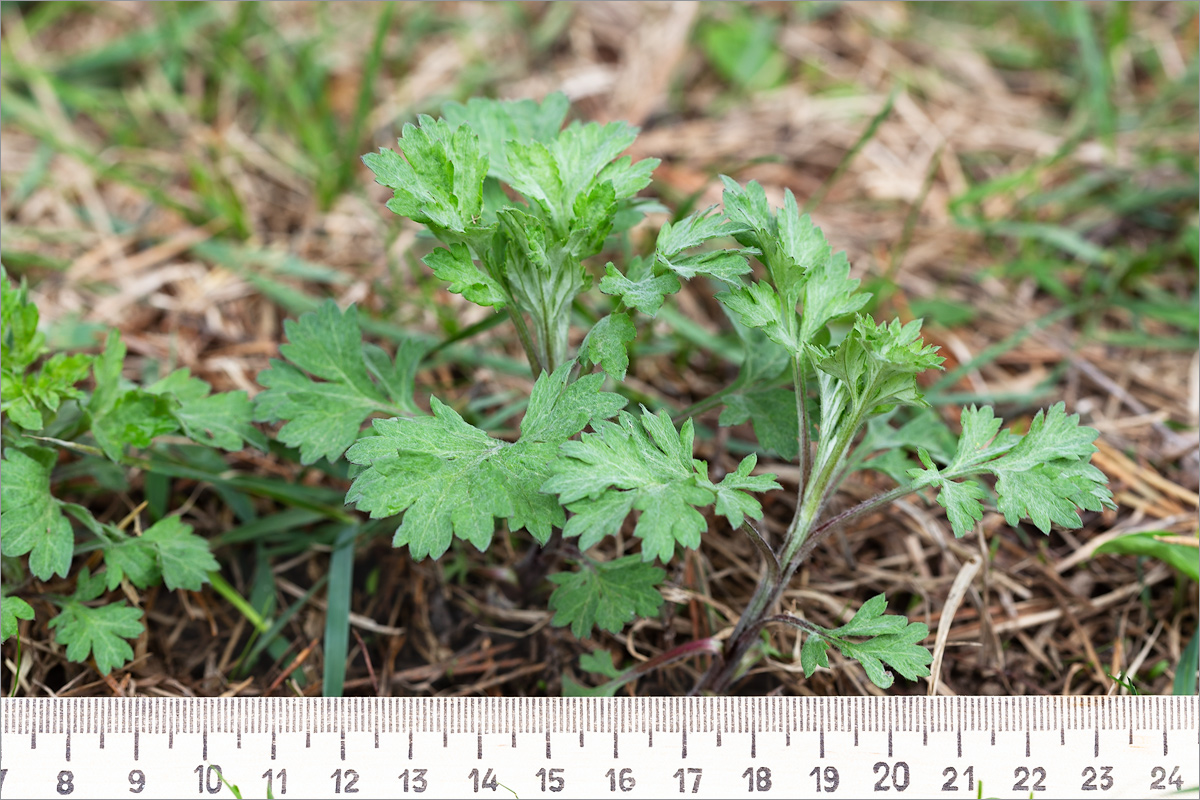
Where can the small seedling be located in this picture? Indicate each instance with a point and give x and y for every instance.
(109, 429)
(518, 203)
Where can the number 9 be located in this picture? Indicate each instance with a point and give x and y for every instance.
(137, 781)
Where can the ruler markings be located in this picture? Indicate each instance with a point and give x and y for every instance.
(711, 717)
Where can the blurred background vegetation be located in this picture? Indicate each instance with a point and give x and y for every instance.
(1023, 176)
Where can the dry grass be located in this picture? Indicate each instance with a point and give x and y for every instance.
(1036, 615)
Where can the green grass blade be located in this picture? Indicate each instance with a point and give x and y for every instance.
(867, 135)
(337, 612)
(1185, 672)
(271, 635)
(1095, 68)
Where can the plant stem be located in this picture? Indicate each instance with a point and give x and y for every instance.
(708, 645)
(801, 383)
(822, 531)
(531, 353)
(771, 587)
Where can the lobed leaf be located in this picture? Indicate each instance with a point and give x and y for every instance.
(498, 122)
(26, 398)
(100, 632)
(773, 414)
(639, 288)
(643, 463)
(606, 344)
(886, 639)
(694, 231)
(456, 267)
(451, 479)
(608, 595)
(323, 418)
(439, 179)
(30, 516)
(1043, 476)
(183, 558)
(878, 364)
(12, 608)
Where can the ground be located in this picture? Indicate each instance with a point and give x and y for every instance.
(1023, 178)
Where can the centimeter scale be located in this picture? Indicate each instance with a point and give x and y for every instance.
(962, 747)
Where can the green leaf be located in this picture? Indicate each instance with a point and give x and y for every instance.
(694, 231)
(541, 274)
(498, 122)
(829, 293)
(218, 420)
(886, 639)
(883, 448)
(607, 595)
(439, 179)
(572, 688)
(814, 654)
(25, 398)
(878, 364)
(643, 463)
(20, 340)
(566, 179)
(133, 421)
(743, 50)
(870, 620)
(1043, 476)
(646, 458)
(183, 557)
(962, 501)
(12, 609)
(755, 226)
(221, 420)
(802, 266)
(324, 417)
(131, 558)
(594, 518)
(773, 414)
(759, 306)
(32, 520)
(106, 370)
(100, 632)
(900, 651)
(733, 502)
(1185, 670)
(458, 268)
(600, 662)
(1182, 557)
(640, 289)
(452, 479)
(606, 344)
